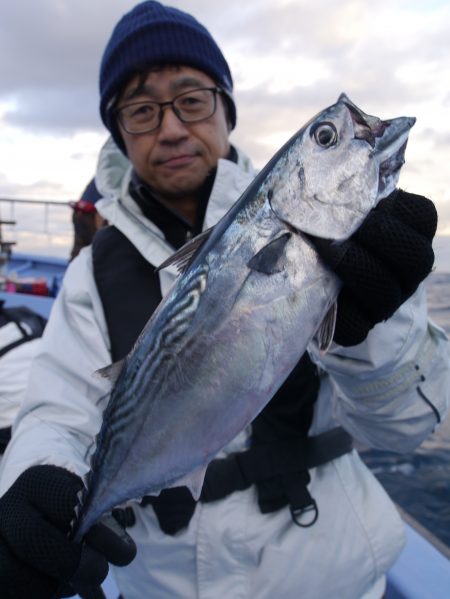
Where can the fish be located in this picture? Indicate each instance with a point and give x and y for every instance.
(251, 295)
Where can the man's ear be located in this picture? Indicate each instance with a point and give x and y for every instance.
(227, 112)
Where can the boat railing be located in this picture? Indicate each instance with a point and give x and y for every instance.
(37, 226)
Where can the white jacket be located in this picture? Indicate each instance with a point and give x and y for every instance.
(14, 370)
(381, 391)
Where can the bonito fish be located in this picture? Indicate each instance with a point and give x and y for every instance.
(252, 295)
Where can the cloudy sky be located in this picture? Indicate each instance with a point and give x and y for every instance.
(289, 58)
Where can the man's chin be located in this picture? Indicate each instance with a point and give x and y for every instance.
(178, 190)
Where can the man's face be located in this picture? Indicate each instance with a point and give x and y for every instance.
(176, 158)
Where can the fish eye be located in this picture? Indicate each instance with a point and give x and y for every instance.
(325, 134)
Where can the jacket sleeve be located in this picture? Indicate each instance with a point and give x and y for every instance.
(62, 409)
(14, 371)
(391, 391)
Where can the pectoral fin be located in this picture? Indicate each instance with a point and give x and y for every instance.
(271, 258)
(325, 332)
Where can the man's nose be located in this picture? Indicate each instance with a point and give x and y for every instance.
(171, 125)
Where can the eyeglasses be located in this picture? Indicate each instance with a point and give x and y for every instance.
(190, 107)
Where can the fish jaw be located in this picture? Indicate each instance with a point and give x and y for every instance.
(391, 155)
(388, 139)
(337, 168)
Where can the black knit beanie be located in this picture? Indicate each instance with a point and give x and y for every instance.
(153, 34)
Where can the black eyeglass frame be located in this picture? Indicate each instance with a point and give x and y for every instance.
(216, 90)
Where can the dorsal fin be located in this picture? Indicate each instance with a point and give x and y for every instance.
(183, 257)
(111, 372)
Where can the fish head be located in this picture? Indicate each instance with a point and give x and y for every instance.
(336, 168)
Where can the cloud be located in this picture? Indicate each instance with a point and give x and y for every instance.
(50, 53)
(61, 111)
(41, 188)
(52, 43)
(289, 59)
(439, 139)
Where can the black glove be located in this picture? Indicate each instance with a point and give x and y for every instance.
(37, 558)
(382, 263)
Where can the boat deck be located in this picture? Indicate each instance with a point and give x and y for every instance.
(26, 268)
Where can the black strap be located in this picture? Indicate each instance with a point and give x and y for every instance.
(239, 471)
(5, 436)
(283, 466)
(30, 324)
(174, 508)
(280, 472)
(4, 350)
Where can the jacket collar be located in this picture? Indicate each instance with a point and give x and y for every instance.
(119, 208)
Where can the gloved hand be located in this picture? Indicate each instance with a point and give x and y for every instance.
(37, 558)
(382, 263)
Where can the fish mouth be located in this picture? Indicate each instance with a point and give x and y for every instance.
(388, 138)
(390, 153)
(394, 162)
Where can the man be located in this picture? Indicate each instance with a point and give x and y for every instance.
(166, 97)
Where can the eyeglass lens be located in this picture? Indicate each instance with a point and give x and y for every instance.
(190, 106)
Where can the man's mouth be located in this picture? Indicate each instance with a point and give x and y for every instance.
(177, 161)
